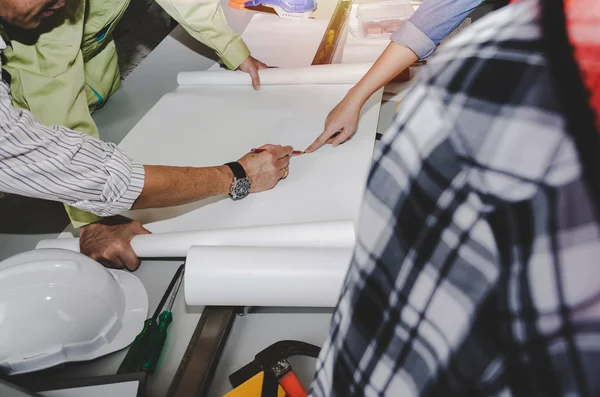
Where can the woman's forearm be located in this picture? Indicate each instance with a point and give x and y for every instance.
(390, 63)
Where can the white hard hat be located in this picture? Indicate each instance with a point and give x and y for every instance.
(58, 306)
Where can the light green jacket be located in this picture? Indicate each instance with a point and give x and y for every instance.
(63, 73)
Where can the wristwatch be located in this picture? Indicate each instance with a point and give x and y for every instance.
(240, 187)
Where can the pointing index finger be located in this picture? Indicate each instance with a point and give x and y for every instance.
(320, 141)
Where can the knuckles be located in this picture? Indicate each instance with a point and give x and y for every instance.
(116, 247)
(133, 266)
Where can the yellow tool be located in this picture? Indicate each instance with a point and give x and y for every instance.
(252, 388)
(270, 374)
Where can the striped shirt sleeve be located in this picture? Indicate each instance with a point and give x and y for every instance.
(56, 163)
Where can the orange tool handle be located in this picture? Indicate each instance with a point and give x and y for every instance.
(292, 386)
(239, 4)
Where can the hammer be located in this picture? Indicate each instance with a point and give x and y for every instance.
(278, 371)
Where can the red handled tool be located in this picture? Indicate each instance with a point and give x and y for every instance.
(287, 379)
(278, 371)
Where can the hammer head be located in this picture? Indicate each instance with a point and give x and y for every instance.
(281, 368)
(273, 360)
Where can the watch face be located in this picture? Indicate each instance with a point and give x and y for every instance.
(240, 188)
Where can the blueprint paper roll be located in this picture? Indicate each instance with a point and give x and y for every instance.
(318, 74)
(176, 245)
(265, 276)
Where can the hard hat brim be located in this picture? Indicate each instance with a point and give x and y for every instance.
(136, 312)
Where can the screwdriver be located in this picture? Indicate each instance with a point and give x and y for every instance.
(158, 335)
(138, 351)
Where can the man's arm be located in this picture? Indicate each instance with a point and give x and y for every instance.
(56, 163)
(205, 21)
(109, 240)
(166, 186)
(59, 164)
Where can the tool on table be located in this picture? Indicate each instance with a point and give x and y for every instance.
(286, 9)
(158, 338)
(271, 373)
(145, 350)
(294, 153)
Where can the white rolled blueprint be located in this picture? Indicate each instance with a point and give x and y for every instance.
(176, 245)
(265, 276)
(318, 74)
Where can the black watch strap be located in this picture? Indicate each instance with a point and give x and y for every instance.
(237, 169)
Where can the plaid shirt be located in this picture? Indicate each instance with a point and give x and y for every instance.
(476, 266)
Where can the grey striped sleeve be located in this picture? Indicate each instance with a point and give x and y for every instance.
(56, 163)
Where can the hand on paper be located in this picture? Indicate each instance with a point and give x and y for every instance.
(341, 123)
(108, 242)
(252, 66)
(344, 117)
(266, 168)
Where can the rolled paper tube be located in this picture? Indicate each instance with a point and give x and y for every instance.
(319, 74)
(176, 245)
(265, 276)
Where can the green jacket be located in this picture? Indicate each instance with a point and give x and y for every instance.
(62, 73)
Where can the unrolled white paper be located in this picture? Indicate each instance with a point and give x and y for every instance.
(318, 74)
(176, 245)
(207, 126)
(265, 276)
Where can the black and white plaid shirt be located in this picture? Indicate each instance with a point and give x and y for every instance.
(477, 266)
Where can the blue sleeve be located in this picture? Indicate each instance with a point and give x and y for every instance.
(431, 23)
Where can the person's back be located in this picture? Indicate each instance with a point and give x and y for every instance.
(475, 271)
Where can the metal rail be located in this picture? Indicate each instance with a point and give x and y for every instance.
(200, 360)
(333, 34)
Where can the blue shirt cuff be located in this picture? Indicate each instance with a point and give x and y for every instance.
(411, 37)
